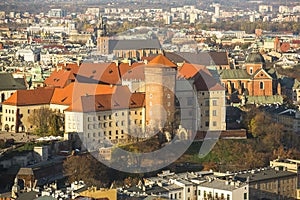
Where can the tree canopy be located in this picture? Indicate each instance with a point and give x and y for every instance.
(46, 122)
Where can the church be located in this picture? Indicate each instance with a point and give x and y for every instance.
(252, 83)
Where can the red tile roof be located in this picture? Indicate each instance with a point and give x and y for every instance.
(161, 61)
(134, 71)
(188, 70)
(122, 99)
(62, 78)
(38, 96)
(69, 94)
(203, 79)
(103, 72)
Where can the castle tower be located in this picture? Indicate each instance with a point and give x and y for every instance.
(160, 78)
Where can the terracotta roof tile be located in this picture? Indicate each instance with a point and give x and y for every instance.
(61, 78)
(121, 99)
(30, 97)
(160, 61)
(69, 94)
(134, 71)
(100, 72)
(190, 70)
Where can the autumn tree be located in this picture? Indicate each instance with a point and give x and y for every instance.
(259, 124)
(46, 121)
(87, 168)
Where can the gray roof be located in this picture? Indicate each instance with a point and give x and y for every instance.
(201, 58)
(221, 185)
(133, 44)
(266, 174)
(7, 82)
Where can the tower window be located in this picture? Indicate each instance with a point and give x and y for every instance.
(251, 70)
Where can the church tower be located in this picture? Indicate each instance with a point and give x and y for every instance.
(102, 38)
(160, 78)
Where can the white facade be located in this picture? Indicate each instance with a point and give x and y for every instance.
(28, 54)
(111, 125)
(219, 189)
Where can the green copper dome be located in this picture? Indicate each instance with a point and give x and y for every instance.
(255, 57)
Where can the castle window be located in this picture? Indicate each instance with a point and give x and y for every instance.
(261, 85)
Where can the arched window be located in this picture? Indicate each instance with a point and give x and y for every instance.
(261, 85)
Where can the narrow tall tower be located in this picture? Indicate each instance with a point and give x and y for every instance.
(102, 38)
(160, 78)
(217, 10)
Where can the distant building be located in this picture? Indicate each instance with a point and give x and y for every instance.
(57, 13)
(217, 10)
(168, 19)
(284, 9)
(265, 8)
(193, 18)
(27, 54)
(93, 11)
(128, 48)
